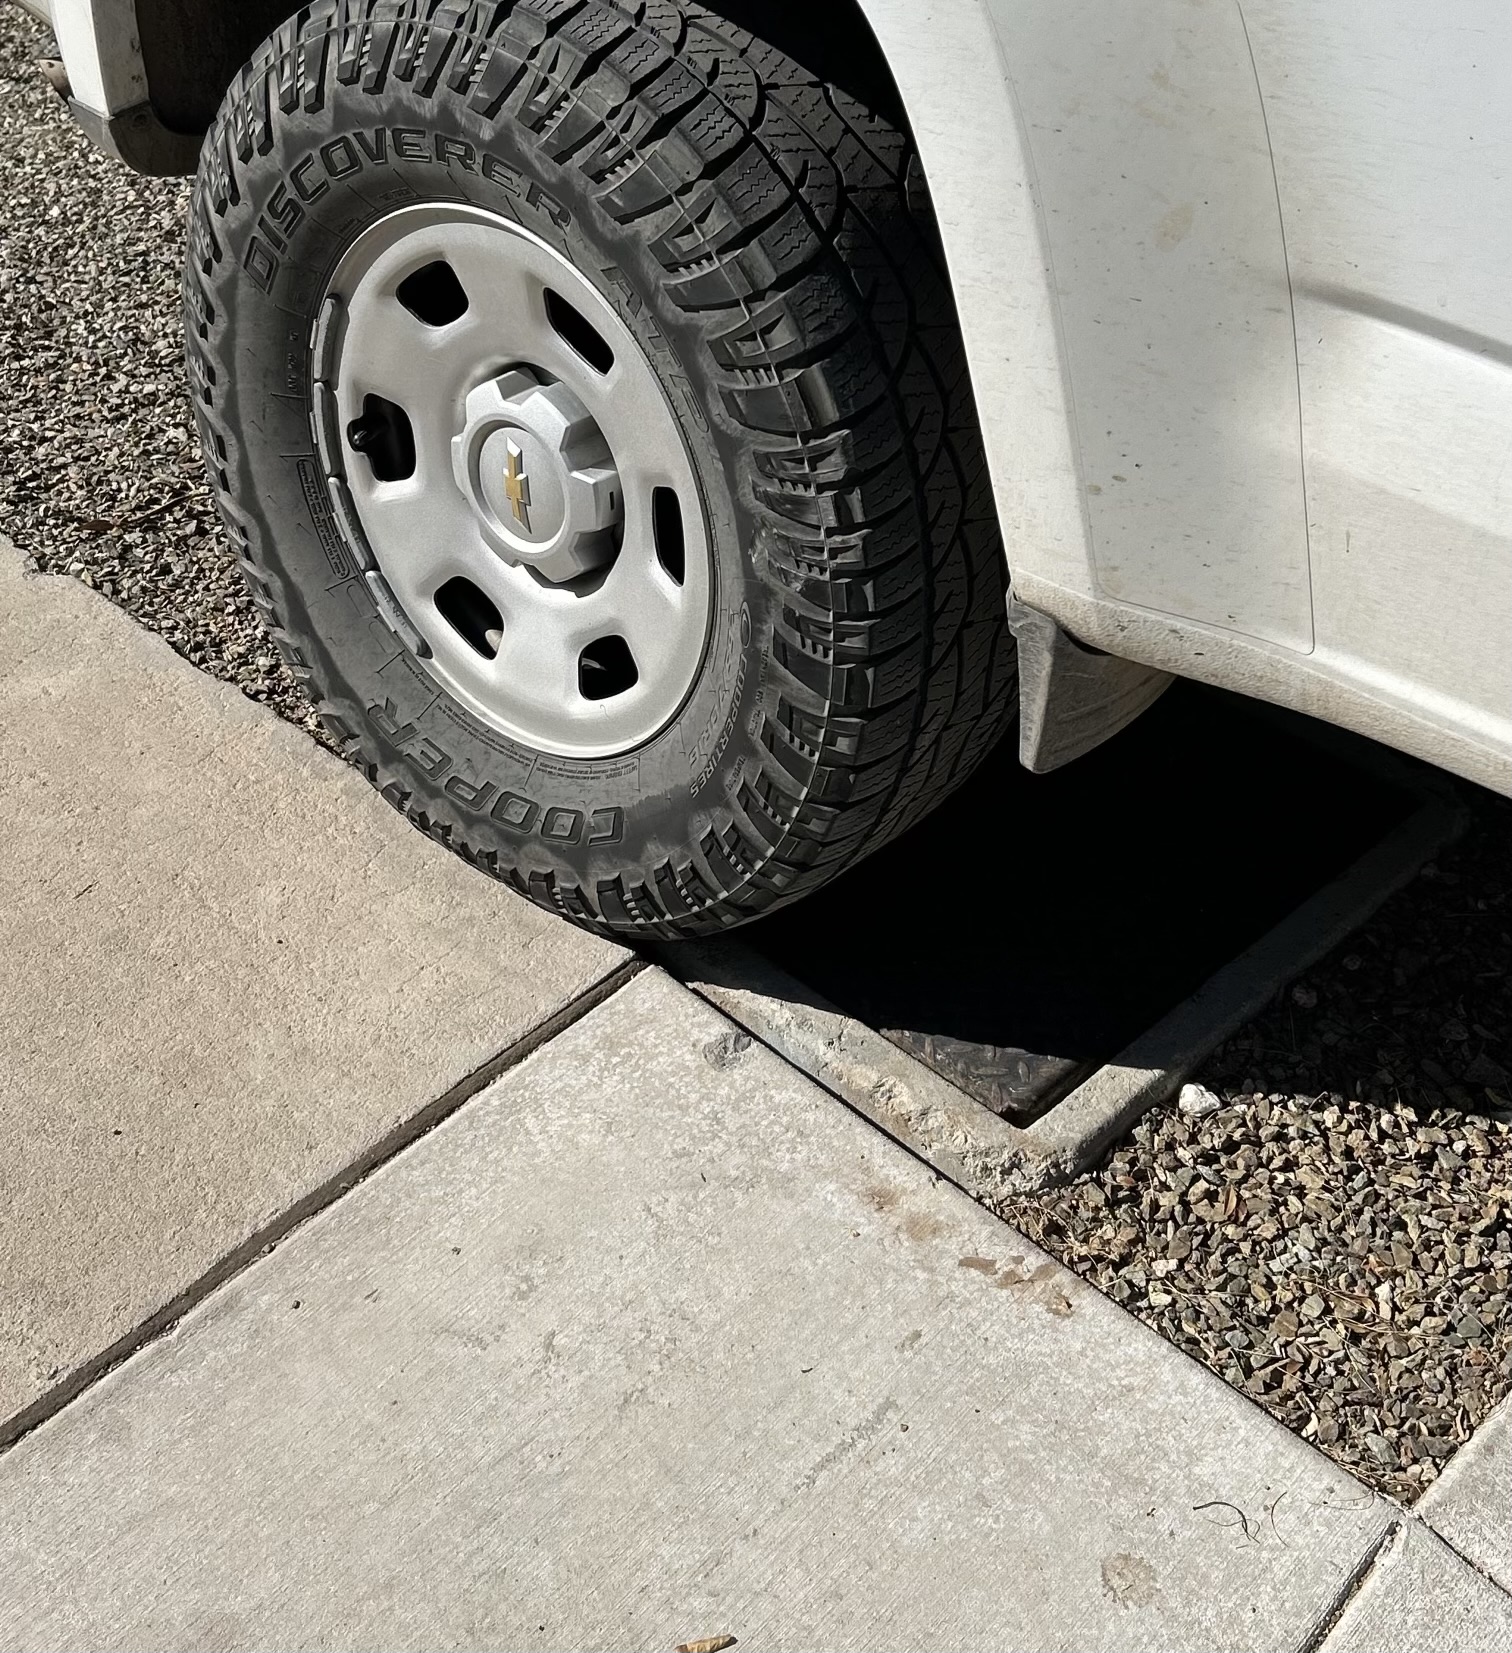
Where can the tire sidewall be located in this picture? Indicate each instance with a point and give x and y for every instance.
(324, 179)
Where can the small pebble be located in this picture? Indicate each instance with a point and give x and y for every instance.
(1197, 1101)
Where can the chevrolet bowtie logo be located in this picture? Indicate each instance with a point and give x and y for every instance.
(517, 486)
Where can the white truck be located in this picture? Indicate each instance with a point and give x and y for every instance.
(673, 439)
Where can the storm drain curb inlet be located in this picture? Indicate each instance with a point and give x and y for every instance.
(964, 1139)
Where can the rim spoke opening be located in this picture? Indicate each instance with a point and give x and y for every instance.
(472, 614)
(606, 668)
(433, 294)
(579, 333)
(667, 533)
(384, 436)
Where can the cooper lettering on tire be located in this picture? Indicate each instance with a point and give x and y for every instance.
(582, 391)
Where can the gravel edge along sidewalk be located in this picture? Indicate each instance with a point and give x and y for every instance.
(102, 476)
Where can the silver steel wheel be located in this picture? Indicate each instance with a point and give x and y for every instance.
(520, 478)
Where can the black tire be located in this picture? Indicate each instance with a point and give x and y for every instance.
(769, 242)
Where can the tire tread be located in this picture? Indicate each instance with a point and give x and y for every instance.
(786, 223)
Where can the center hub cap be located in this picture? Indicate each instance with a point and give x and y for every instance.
(538, 472)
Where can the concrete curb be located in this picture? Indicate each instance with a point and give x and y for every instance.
(1470, 1505)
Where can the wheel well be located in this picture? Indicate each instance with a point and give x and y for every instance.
(192, 48)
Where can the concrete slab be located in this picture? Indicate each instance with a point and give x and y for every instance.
(654, 1341)
(230, 971)
(1420, 1597)
(1471, 1502)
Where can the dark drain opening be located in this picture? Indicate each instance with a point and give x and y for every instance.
(385, 438)
(1031, 927)
(606, 667)
(667, 531)
(433, 294)
(468, 612)
(579, 332)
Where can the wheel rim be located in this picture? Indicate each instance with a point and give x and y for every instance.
(519, 477)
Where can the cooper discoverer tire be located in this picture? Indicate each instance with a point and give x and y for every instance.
(830, 656)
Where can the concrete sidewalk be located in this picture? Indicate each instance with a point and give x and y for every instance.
(654, 1341)
(231, 973)
(648, 1340)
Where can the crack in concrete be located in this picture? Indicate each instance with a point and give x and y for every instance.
(279, 1227)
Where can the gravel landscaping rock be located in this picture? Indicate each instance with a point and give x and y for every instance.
(102, 476)
(1323, 1218)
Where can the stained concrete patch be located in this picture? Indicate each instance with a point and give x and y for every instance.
(1471, 1502)
(230, 968)
(1419, 1597)
(654, 1341)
